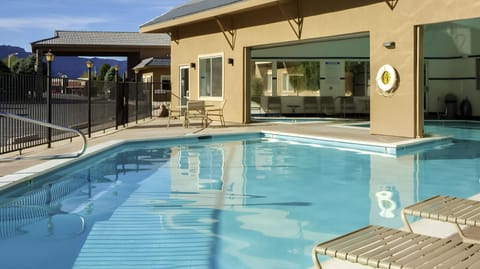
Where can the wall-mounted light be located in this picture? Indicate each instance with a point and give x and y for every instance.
(230, 61)
(389, 45)
(193, 65)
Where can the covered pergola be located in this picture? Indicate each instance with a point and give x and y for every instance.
(132, 45)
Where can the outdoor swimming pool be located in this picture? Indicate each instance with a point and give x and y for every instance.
(236, 201)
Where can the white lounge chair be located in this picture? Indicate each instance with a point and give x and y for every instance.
(380, 247)
(447, 209)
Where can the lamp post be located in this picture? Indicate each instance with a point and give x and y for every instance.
(136, 95)
(10, 59)
(119, 105)
(89, 67)
(49, 57)
(116, 67)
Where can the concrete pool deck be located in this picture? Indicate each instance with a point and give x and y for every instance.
(13, 169)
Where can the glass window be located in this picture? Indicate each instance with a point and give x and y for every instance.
(211, 76)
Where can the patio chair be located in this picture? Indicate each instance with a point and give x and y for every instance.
(447, 209)
(216, 112)
(327, 105)
(196, 110)
(347, 105)
(381, 247)
(173, 113)
(274, 104)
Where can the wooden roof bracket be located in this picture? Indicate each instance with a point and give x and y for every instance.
(392, 3)
(229, 32)
(173, 33)
(296, 23)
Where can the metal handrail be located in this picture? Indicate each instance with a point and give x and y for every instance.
(50, 125)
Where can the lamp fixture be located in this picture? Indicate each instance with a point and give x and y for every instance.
(89, 64)
(49, 56)
(230, 61)
(389, 44)
(193, 65)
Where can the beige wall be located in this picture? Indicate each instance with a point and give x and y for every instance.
(396, 115)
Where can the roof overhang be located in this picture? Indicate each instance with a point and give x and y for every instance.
(92, 43)
(238, 7)
(153, 62)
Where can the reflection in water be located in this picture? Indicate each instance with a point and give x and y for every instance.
(386, 204)
(37, 205)
(203, 164)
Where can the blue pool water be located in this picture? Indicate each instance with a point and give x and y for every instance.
(247, 201)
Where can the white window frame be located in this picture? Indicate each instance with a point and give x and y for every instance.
(211, 56)
(269, 81)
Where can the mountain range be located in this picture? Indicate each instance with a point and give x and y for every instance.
(71, 66)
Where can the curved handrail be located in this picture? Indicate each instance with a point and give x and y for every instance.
(50, 125)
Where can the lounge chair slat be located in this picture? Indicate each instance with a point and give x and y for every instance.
(460, 259)
(374, 257)
(347, 246)
(352, 251)
(440, 247)
(425, 208)
(469, 216)
(426, 203)
(447, 209)
(450, 257)
(345, 239)
(420, 251)
(411, 252)
(375, 251)
(456, 209)
(469, 263)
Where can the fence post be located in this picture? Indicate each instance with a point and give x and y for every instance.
(117, 105)
(151, 102)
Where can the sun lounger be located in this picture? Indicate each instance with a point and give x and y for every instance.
(448, 209)
(380, 247)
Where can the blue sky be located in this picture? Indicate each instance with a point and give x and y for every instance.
(26, 21)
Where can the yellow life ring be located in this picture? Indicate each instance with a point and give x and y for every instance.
(387, 78)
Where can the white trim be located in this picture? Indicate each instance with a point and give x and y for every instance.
(211, 56)
(180, 67)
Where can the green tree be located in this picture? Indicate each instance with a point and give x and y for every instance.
(84, 75)
(103, 71)
(25, 65)
(4, 68)
(111, 74)
(256, 86)
(296, 75)
(312, 73)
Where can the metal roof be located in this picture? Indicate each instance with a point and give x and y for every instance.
(192, 7)
(153, 62)
(81, 38)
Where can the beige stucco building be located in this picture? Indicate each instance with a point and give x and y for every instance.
(247, 52)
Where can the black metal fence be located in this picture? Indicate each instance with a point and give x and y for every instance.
(111, 104)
